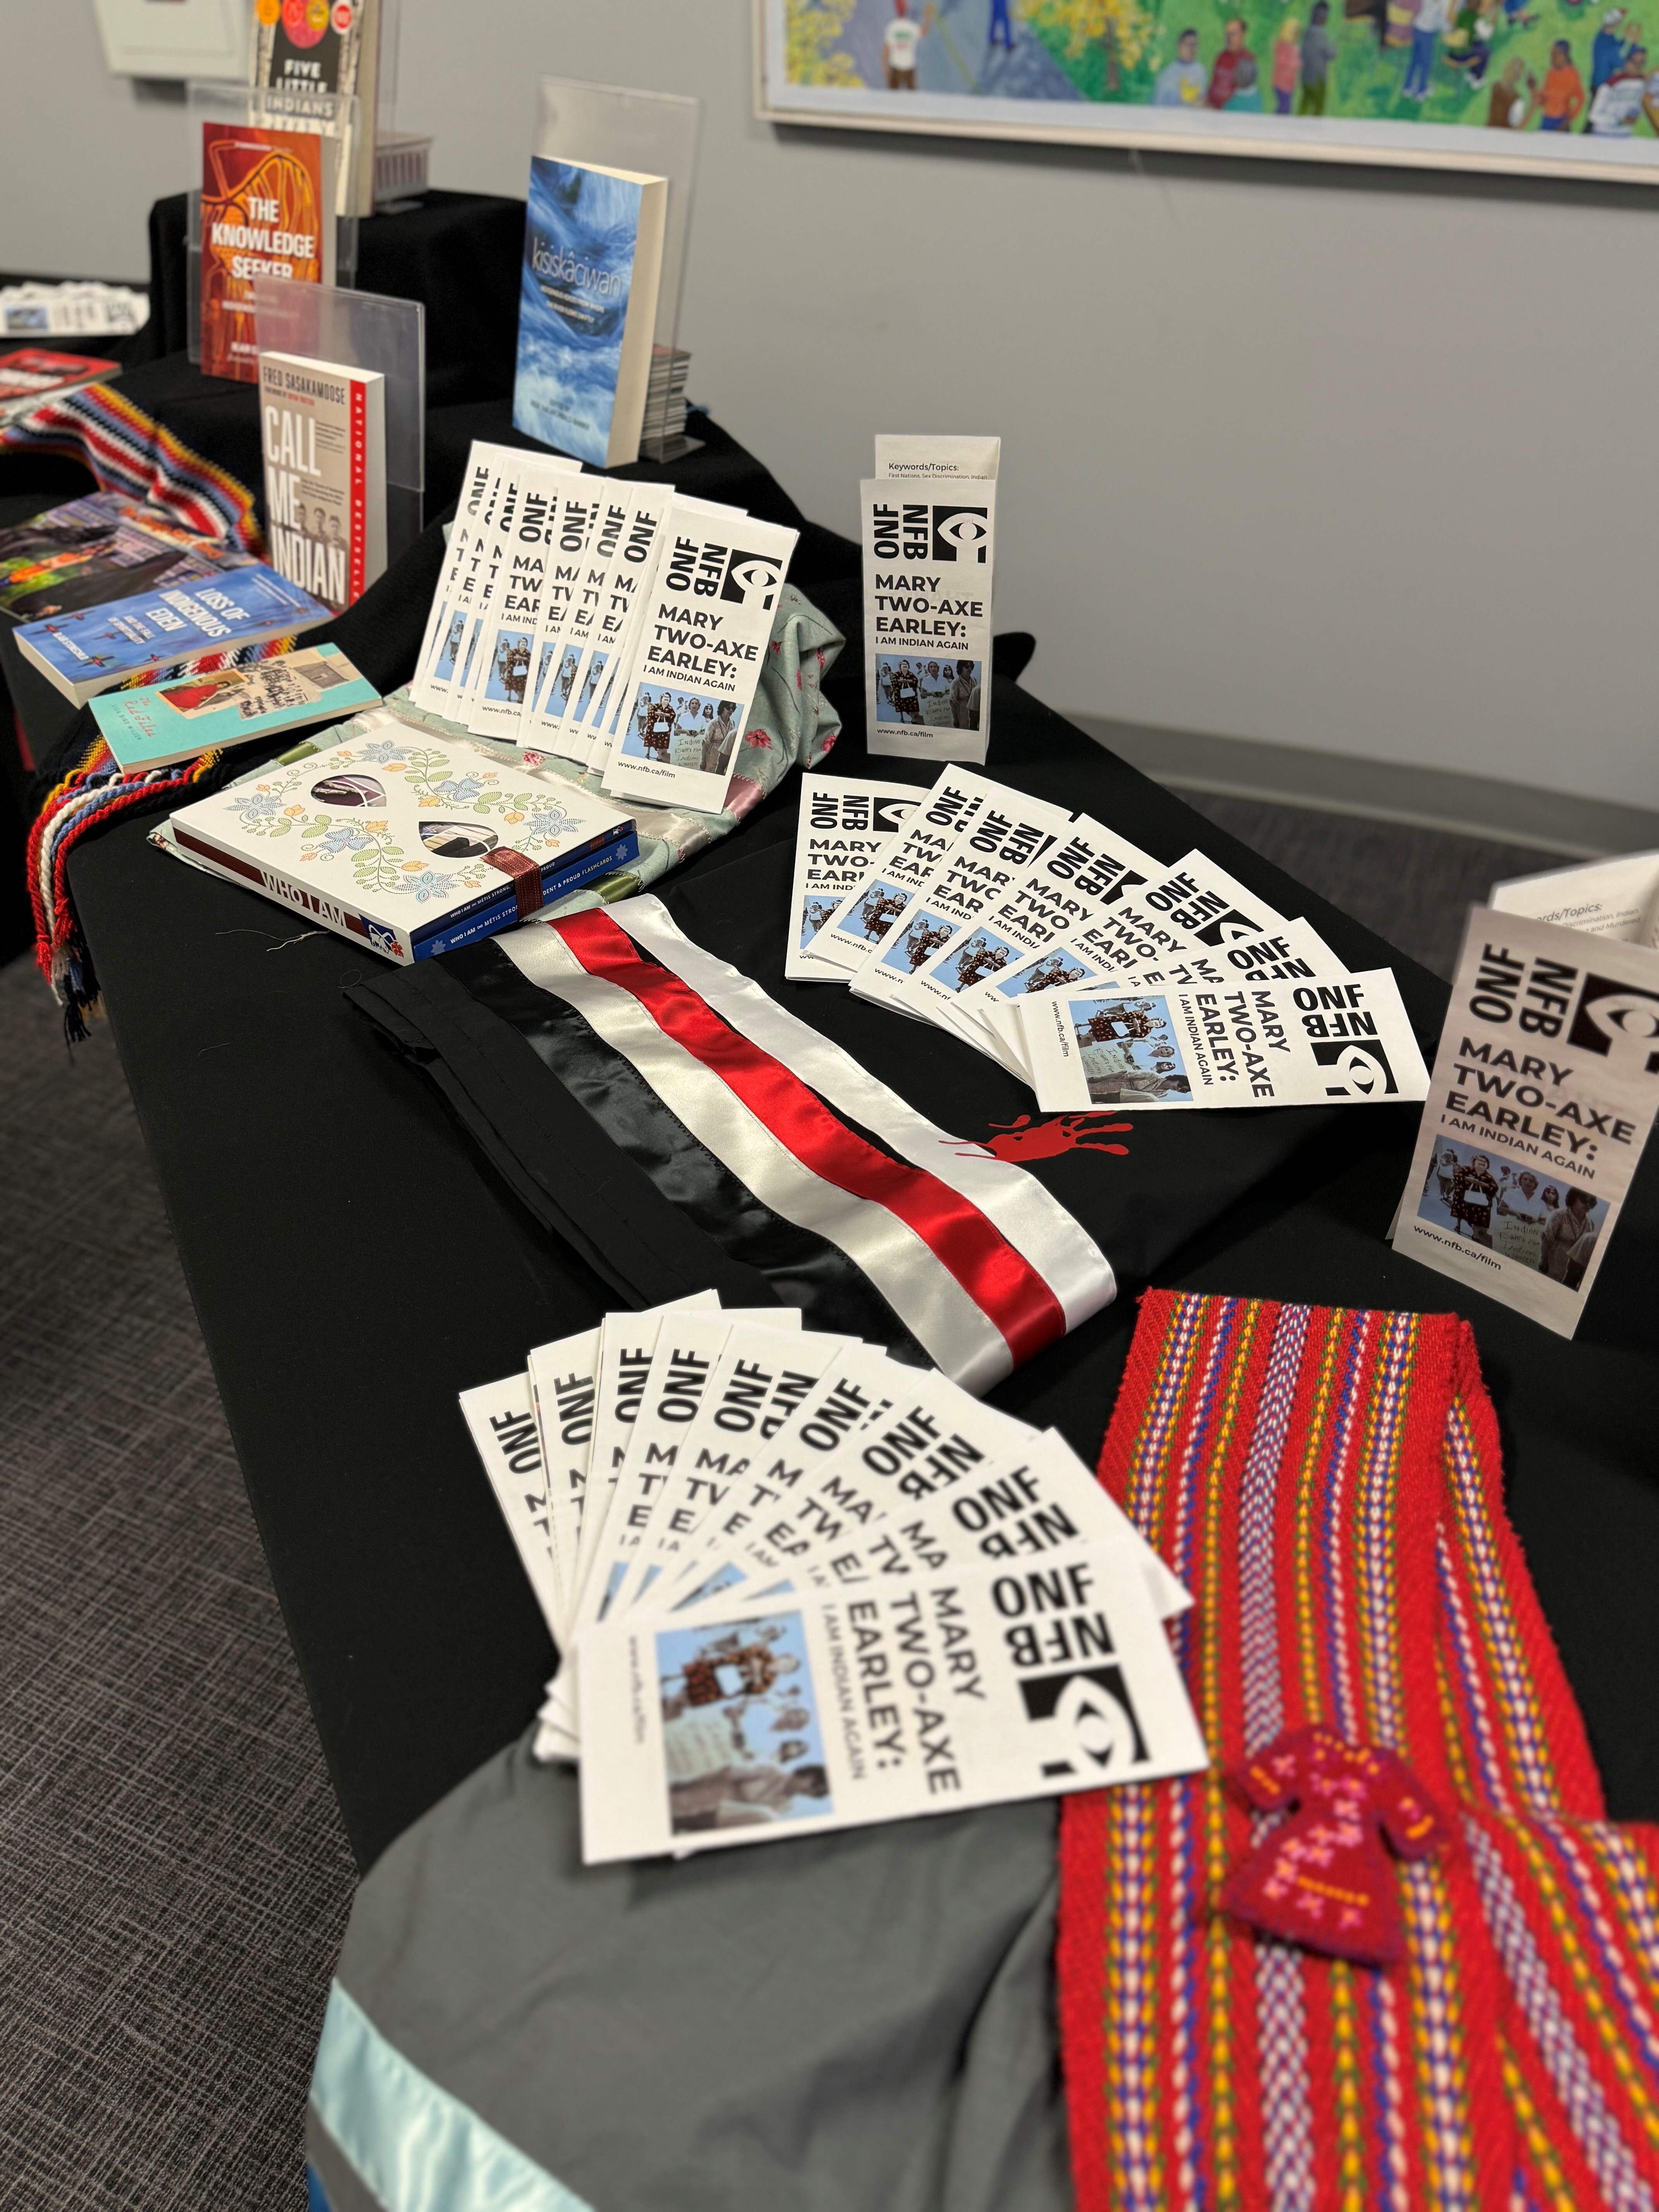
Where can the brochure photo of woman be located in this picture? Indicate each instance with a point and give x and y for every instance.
(742, 1745)
(1530, 1215)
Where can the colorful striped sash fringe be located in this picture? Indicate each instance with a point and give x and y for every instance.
(1329, 1485)
(128, 452)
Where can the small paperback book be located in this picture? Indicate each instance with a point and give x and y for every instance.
(30, 376)
(311, 46)
(405, 843)
(701, 650)
(929, 540)
(1543, 1094)
(323, 430)
(193, 715)
(847, 824)
(267, 202)
(1346, 1041)
(587, 308)
(85, 653)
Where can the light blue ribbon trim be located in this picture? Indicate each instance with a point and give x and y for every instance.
(419, 2149)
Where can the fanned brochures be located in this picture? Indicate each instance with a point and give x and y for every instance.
(1095, 973)
(800, 1585)
(621, 627)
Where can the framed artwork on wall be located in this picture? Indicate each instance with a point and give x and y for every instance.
(1553, 88)
(175, 38)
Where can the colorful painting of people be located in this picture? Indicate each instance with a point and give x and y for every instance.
(742, 1745)
(1541, 1222)
(1517, 66)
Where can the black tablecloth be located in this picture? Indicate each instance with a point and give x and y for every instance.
(355, 1265)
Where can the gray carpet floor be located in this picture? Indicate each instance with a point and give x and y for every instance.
(173, 1879)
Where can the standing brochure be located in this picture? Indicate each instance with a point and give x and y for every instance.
(1544, 1090)
(30, 375)
(797, 1715)
(846, 825)
(703, 645)
(929, 543)
(1345, 1041)
(1617, 898)
(93, 650)
(333, 46)
(267, 210)
(323, 435)
(592, 611)
(587, 308)
(193, 714)
(406, 844)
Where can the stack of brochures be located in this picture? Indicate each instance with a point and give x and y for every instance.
(617, 625)
(1090, 970)
(664, 396)
(800, 1585)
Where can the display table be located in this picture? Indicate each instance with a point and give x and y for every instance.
(355, 1265)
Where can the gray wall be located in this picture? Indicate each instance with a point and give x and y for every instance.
(1339, 460)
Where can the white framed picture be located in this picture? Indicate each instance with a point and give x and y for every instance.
(1556, 88)
(174, 38)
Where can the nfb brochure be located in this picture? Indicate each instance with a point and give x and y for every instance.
(410, 844)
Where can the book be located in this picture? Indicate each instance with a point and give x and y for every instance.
(587, 305)
(323, 436)
(30, 375)
(93, 650)
(266, 202)
(1543, 1095)
(103, 547)
(302, 47)
(409, 844)
(191, 715)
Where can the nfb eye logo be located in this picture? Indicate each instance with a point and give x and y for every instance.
(1361, 1065)
(1619, 1023)
(961, 533)
(751, 579)
(1228, 929)
(1090, 1725)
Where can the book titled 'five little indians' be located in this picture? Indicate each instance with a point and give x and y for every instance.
(409, 844)
(93, 650)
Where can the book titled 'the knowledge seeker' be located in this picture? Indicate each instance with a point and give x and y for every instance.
(587, 308)
(93, 649)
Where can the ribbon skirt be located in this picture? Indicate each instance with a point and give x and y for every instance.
(1329, 1485)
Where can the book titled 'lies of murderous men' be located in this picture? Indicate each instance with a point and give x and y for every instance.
(91, 650)
(409, 844)
(587, 308)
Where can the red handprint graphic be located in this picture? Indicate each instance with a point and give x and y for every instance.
(1026, 1140)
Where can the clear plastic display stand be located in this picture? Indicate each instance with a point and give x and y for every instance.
(362, 330)
(402, 158)
(282, 109)
(657, 133)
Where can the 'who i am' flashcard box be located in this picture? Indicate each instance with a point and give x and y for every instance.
(410, 844)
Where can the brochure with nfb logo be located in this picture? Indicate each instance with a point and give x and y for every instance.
(929, 554)
(1342, 1041)
(702, 649)
(845, 826)
(792, 1715)
(1543, 1093)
